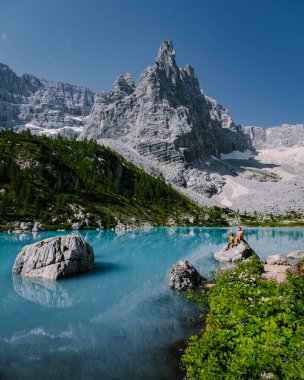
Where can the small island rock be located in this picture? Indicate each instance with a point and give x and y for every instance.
(184, 276)
(54, 258)
(238, 252)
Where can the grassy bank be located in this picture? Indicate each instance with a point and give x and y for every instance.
(255, 328)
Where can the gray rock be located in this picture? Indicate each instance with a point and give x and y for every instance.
(184, 276)
(38, 227)
(239, 252)
(77, 226)
(299, 254)
(26, 226)
(21, 226)
(297, 269)
(277, 260)
(54, 258)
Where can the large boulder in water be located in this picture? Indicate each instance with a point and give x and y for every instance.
(184, 276)
(54, 258)
(238, 252)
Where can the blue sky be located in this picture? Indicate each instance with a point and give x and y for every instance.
(247, 54)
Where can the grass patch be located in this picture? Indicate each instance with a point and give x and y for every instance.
(265, 175)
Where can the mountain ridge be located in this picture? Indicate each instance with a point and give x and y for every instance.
(166, 124)
(42, 105)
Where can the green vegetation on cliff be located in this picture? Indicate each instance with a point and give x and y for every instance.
(255, 328)
(58, 182)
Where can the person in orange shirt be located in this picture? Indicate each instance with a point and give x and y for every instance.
(239, 235)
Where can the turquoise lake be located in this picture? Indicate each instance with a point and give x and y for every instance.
(118, 321)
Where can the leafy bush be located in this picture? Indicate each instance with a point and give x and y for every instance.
(255, 328)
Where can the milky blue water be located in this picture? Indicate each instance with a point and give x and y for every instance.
(118, 321)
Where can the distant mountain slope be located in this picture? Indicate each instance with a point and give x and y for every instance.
(285, 136)
(60, 182)
(43, 106)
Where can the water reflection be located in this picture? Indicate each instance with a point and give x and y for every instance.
(117, 321)
(119, 344)
(45, 293)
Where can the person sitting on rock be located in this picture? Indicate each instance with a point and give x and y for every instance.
(239, 235)
(231, 241)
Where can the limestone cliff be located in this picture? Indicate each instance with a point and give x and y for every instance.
(43, 106)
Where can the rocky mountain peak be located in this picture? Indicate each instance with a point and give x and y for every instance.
(167, 120)
(166, 55)
(167, 69)
(4, 67)
(124, 83)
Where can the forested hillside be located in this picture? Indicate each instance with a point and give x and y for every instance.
(59, 182)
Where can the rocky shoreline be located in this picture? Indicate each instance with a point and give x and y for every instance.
(250, 283)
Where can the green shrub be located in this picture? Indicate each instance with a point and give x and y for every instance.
(255, 328)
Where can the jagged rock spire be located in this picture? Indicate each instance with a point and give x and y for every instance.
(124, 83)
(165, 63)
(166, 54)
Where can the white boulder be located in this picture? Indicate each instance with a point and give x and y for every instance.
(38, 227)
(54, 258)
(184, 276)
(76, 226)
(277, 260)
(239, 252)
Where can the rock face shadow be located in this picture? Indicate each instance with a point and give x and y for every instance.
(43, 292)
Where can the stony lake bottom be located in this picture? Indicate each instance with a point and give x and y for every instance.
(119, 320)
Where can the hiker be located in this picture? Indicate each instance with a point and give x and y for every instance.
(239, 235)
(231, 241)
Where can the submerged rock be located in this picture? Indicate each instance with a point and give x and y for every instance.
(277, 260)
(54, 258)
(238, 252)
(184, 276)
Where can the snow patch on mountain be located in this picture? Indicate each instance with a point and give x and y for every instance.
(237, 155)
